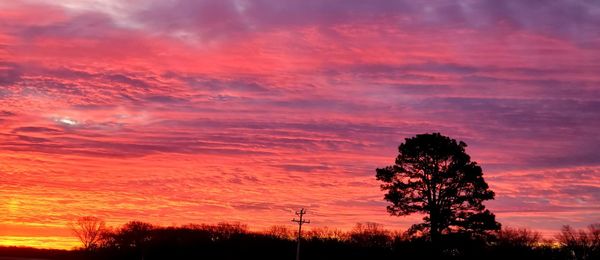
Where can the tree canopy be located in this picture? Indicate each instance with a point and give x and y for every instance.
(433, 175)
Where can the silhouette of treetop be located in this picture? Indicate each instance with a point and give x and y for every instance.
(434, 175)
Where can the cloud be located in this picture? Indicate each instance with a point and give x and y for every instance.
(34, 129)
(203, 111)
(303, 168)
(211, 21)
(165, 99)
(9, 74)
(214, 84)
(254, 206)
(5, 113)
(122, 79)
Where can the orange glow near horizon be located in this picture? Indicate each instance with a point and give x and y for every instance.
(177, 112)
(53, 242)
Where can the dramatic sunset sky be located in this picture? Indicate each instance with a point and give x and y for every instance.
(190, 111)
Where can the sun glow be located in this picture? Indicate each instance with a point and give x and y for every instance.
(13, 206)
(53, 242)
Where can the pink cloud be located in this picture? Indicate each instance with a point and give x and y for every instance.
(152, 111)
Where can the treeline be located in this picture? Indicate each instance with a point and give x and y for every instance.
(139, 240)
(15, 253)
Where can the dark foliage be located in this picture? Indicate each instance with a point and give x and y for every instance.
(433, 175)
(580, 244)
(11, 252)
(137, 240)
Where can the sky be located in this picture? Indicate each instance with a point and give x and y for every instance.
(195, 111)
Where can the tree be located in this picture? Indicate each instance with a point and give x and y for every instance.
(433, 175)
(520, 238)
(279, 232)
(370, 234)
(88, 230)
(135, 235)
(580, 244)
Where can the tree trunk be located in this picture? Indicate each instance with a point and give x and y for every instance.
(434, 231)
(435, 234)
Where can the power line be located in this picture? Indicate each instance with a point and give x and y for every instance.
(300, 223)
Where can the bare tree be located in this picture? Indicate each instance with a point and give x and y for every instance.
(326, 233)
(88, 230)
(370, 234)
(518, 238)
(581, 244)
(280, 232)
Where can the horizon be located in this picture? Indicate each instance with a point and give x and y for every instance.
(242, 111)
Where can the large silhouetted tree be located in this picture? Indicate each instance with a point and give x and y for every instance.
(434, 176)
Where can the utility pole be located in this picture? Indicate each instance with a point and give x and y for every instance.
(300, 223)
